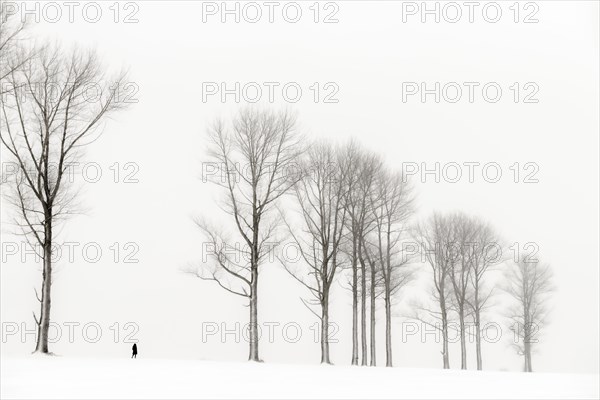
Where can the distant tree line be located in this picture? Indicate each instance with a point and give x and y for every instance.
(351, 217)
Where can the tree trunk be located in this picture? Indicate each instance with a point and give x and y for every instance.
(325, 329)
(445, 355)
(388, 327)
(363, 316)
(354, 306)
(372, 330)
(478, 339)
(44, 321)
(527, 348)
(526, 358)
(463, 341)
(253, 351)
(477, 326)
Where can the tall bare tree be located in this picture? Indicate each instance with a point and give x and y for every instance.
(48, 116)
(391, 204)
(437, 237)
(353, 155)
(363, 169)
(485, 253)
(254, 160)
(320, 194)
(529, 284)
(464, 228)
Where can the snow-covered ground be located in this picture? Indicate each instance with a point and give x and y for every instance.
(61, 377)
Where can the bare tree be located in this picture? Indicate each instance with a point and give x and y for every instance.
(363, 169)
(368, 256)
(320, 195)
(47, 118)
(352, 154)
(529, 284)
(485, 252)
(437, 237)
(391, 205)
(254, 162)
(460, 274)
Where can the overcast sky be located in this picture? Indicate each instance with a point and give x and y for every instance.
(369, 58)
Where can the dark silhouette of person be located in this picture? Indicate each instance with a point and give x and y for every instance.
(134, 349)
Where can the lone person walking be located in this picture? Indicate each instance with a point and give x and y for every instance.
(134, 349)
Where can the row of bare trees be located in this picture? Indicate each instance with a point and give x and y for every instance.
(351, 222)
(461, 251)
(46, 120)
(348, 214)
(352, 214)
(378, 203)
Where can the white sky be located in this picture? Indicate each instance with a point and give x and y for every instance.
(170, 52)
